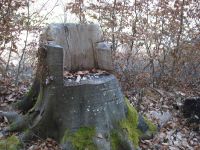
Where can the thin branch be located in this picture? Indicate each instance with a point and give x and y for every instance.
(25, 44)
(47, 14)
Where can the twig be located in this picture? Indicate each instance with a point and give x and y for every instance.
(47, 14)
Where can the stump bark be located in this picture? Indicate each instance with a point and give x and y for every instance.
(88, 114)
(94, 104)
(82, 44)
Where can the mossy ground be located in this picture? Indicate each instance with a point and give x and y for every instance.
(82, 139)
(11, 143)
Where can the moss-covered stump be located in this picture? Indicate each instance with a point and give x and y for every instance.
(124, 134)
(134, 126)
(89, 114)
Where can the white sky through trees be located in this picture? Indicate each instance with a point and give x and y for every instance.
(53, 9)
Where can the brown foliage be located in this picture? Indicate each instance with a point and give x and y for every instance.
(163, 35)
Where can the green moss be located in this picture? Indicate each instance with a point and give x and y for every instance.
(152, 127)
(129, 124)
(132, 114)
(119, 141)
(82, 139)
(115, 141)
(11, 143)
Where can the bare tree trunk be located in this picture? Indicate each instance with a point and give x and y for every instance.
(113, 16)
(24, 49)
(176, 52)
(9, 56)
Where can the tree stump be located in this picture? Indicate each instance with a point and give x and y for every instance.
(89, 114)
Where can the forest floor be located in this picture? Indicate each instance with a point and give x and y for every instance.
(164, 109)
(161, 106)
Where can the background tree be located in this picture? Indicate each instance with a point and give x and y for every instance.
(154, 34)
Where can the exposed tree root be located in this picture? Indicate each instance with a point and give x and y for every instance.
(19, 122)
(27, 136)
(11, 116)
(19, 125)
(30, 99)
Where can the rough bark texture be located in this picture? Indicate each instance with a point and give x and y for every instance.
(81, 44)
